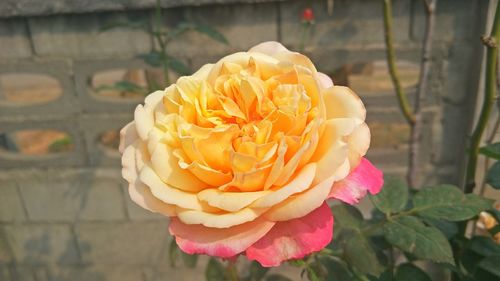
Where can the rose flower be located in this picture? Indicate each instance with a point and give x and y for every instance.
(243, 155)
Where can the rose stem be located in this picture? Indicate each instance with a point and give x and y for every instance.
(491, 44)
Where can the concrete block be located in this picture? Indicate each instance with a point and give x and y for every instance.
(15, 272)
(455, 20)
(82, 36)
(90, 101)
(123, 243)
(11, 206)
(64, 123)
(71, 195)
(40, 244)
(14, 39)
(94, 273)
(244, 26)
(353, 23)
(96, 124)
(5, 251)
(54, 68)
(104, 201)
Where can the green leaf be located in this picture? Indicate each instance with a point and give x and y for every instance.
(450, 229)
(337, 271)
(447, 202)
(484, 246)
(61, 145)
(491, 264)
(173, 250)
(347, 216)
(491, 150)
(393, 196)
(123, 86)
(312, 275)
(190, 261)
(180, 29)
(425, 242)
(277, 277)
(178, 66)
(256, 272)
(494, 230)
(155, 59)
(210, 32)
(360, 254)
(409, 272)
(215, 271)
(493, 176)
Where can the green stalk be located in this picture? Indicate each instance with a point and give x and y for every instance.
(404, 105)
(163, 52)
(491, 43)
(232, 273)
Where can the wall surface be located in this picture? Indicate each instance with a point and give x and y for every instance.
(68, 216)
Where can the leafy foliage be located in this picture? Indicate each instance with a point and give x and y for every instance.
(409, 272)
(215, 271)
(491, 150)
(493, 177)
(393, 197)
(413, 236)
(447, 202)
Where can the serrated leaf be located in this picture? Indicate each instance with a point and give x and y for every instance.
(493, 176)
(447, 202)
(337, 271)
(178, 66)
(491, 264)
(277, 277)
(409, 272)
(360, 254)
(190, 261)
(484, 246)
(215, 271)
(210, 32)
(450, 229)
(425, 242)
(491, 150)
(154, 59)
(393, 196)
(347, 216)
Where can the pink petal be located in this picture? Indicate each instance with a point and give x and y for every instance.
(218, 242)
(365, 177)
(294, 239)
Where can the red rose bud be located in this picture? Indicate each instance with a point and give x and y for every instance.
(308, 15)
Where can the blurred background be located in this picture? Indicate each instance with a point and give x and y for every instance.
(72, 72)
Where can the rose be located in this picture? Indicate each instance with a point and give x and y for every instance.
(243, 154)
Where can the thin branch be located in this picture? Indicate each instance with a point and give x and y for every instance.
(425, 65)
(404, 105)
(491, 44)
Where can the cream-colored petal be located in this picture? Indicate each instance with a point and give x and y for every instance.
(142, 196)
(301, 204)
(223, 220)
(166, 166)
(128, 135)
(342, 102)
(358, 143)
(269, 48)
(144, 121)
(324, 80)
(202, 73)
(230, 201)
(129, 169)
(166, 193)
(206, 174)
(301, 182)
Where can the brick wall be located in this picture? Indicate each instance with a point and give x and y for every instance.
(67, 216)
